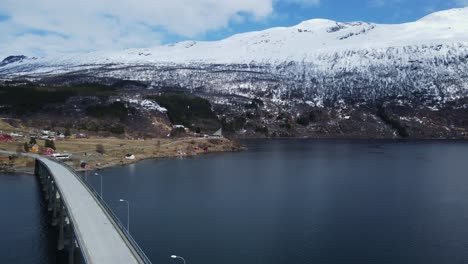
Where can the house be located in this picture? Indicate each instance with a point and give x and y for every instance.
(180, 127)
(61, 156)
(218, 134)
(14, 134)
(5, 138)
(81, 135)
(129, 157)
(59, 135)
(47, 151)
(33, 148)
(84, 165)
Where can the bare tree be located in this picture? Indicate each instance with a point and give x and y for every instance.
(100, 149)
(22, 147)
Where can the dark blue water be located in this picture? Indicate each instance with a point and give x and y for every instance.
(291, 201)
(25, 236)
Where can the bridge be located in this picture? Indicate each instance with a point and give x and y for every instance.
(87, 228)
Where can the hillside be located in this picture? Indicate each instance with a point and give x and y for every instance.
(349, 79)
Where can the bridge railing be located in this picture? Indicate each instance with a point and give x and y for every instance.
(114, 219)
(65, 207)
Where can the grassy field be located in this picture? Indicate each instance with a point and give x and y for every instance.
(4, 126)
(115, 149)
(20, 164)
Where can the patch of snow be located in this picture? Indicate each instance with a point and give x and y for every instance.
(151, 105)
(411, 119)
(146, 105)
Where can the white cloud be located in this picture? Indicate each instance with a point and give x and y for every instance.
(57, 26)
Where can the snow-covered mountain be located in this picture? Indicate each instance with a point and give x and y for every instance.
(313, 61)
(11, 59)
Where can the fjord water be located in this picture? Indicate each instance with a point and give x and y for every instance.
(25, 236)
(281, 201)
(297, 201)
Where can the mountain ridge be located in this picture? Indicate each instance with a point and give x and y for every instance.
(299, 42)
(412, 77)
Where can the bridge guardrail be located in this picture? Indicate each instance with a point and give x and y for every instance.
(72, 224)
(114, 219)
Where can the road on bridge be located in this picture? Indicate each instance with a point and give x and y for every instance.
(101, 241)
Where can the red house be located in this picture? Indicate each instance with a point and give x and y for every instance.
(84, 165)
(47, 151)
(81, 135)
(5, 138)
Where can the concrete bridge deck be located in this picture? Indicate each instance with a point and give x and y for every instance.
(100, 239)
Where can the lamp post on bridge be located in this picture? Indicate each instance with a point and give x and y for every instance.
(101, 183)
(178, 257)
(128, 214)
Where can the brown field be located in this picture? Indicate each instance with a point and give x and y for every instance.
(115, 149)
(4, 126)
(20, 164)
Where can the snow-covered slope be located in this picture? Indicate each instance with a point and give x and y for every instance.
(314, 60)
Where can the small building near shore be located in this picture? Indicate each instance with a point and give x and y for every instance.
(5, 138)
(217, 134)
(14, 134)
(84, 165)
(82, 135)
(33, 148)
(47, 151)
(61, 156)
(129, 157)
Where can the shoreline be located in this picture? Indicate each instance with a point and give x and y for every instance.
(348, 137)
(116, 165)
(222, 145)
(114, 151)
(157, 157)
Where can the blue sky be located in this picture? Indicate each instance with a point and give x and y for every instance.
(41, 28)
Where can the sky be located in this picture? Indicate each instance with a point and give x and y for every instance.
(53, 27)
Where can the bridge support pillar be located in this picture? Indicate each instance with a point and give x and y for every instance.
(71, 249)
(47, 186)
(74, 255)
(52, 196)
(56, 209)
(61, 237)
